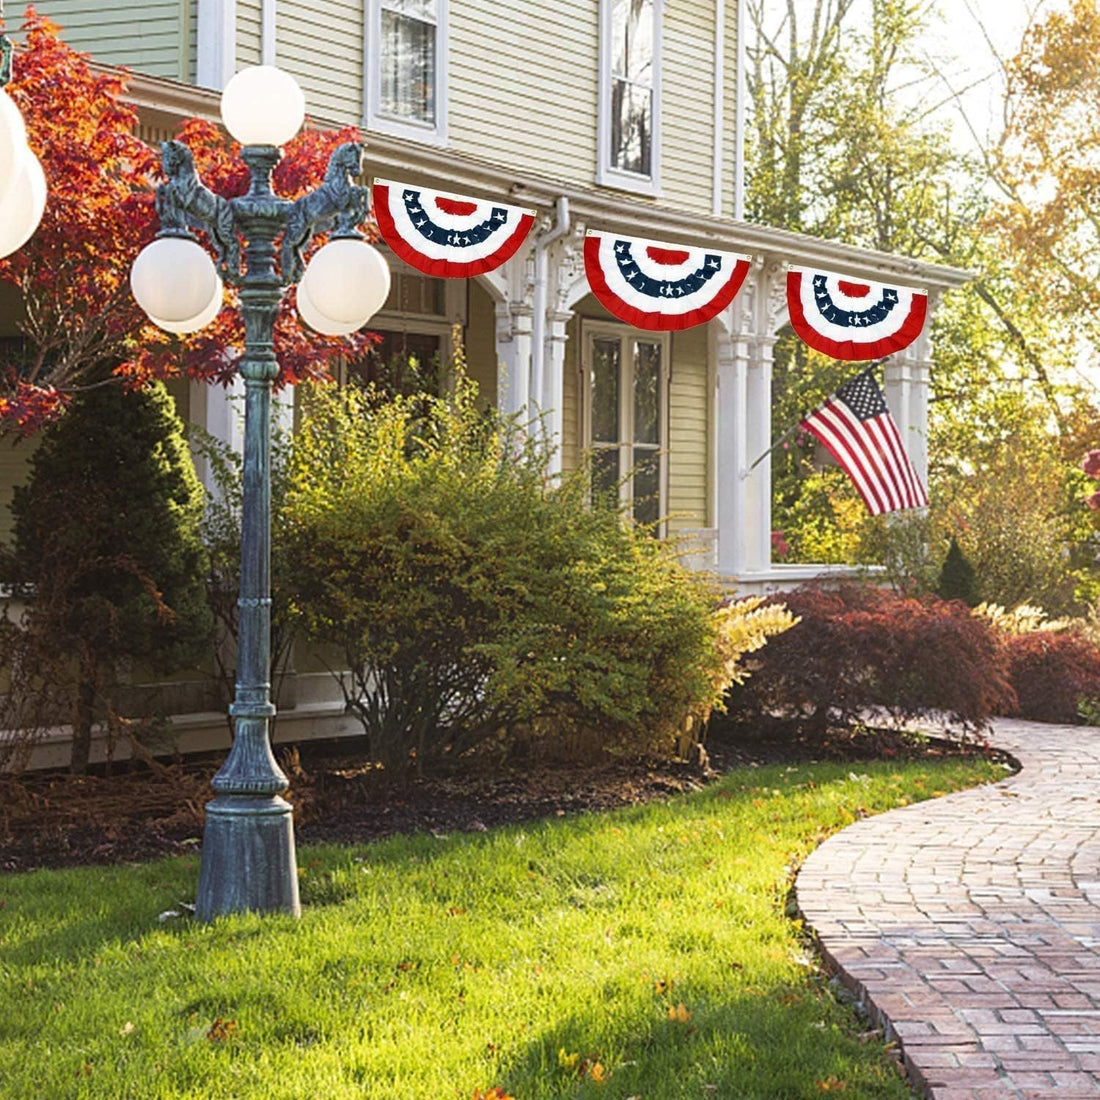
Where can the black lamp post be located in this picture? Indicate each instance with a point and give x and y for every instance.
(248, 860)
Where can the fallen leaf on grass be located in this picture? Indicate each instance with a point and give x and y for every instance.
(496, 1093)
(832, 1083)
(221, 1030)
(126, 1028)
(679, 1013)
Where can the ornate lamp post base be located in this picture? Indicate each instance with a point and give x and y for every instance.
(248, 858)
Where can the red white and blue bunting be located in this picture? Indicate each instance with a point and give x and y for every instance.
(660, 286)
(447, 235)
(848, 319)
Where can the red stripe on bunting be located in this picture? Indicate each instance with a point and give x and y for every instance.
(853, 350)
(656, 321)
(442, 268)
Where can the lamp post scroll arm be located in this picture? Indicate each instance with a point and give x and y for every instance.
(183, 201)
(339, 202)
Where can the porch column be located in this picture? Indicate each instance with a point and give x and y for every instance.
(744, 425)
(907, 381)
(513, 346)
(553, 393)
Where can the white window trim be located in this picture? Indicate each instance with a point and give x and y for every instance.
(591, 330)
(606, 174)
(373, 119)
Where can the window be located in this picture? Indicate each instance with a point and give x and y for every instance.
(630, 95)
(414, 324)
(626, 376)
(406, 68)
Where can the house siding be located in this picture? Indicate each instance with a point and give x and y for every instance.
(249, 33)
(687, 430)
(523, 85)
(481, 348)
(687, 115)
(145, 35)
(321, 43)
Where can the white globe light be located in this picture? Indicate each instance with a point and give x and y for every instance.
(348, 281)
(174, 279)
(263, 105)
(193, 324)
(22, 207)
(317, 321)
(13, 142)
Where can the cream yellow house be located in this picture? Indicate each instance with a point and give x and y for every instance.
(619, 115)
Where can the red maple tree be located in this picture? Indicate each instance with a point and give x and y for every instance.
(82, 326)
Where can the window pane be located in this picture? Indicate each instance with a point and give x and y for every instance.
(647, 392)
(631, 136)
(632, 40)
(408, 67)
(416, 294)
(605, 391)
(402, 362)
(647, 485)
(421, 9)
(605, 477)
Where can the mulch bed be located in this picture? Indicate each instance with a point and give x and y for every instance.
(57, 820)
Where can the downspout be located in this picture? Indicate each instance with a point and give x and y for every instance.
(536, 396)
(719, 104)
(739, 111)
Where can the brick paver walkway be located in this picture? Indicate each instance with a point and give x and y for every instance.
(970, 925)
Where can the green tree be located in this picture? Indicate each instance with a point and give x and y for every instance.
(957, 578)
(107, 531)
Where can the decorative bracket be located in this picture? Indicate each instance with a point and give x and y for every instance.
(338, 204)
(184, 202)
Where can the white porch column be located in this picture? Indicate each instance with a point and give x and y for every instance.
(553, 394)
(220, 411)
(744, 425)
(216, 48)
(513, 358)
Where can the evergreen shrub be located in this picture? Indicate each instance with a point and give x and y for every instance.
(859, 648)
(107, 539)
(474, 600)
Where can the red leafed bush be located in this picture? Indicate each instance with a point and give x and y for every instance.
(1051, 673)
(859, 648)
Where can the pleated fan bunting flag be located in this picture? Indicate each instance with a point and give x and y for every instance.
(449, 236)
(660, 286)
(853, 320)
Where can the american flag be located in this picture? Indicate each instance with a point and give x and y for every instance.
(856, 428)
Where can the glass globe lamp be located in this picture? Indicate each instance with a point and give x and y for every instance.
(347, 281)
(174, 280)
(200, 321)
(13, 142)
(262, 105)
(317, 321)
(23, 204)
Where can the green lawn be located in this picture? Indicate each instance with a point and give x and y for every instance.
(641, 953)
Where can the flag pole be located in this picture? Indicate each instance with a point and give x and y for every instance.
(790, 431)
(781, 440)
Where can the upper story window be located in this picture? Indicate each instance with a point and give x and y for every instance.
(406, 68)
(630, 95)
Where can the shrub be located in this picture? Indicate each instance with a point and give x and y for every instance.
(957, 580)
(1051, 674)
(858, 648)
(473, 600)
(107, 533)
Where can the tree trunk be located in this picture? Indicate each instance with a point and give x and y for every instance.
(83, 713)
